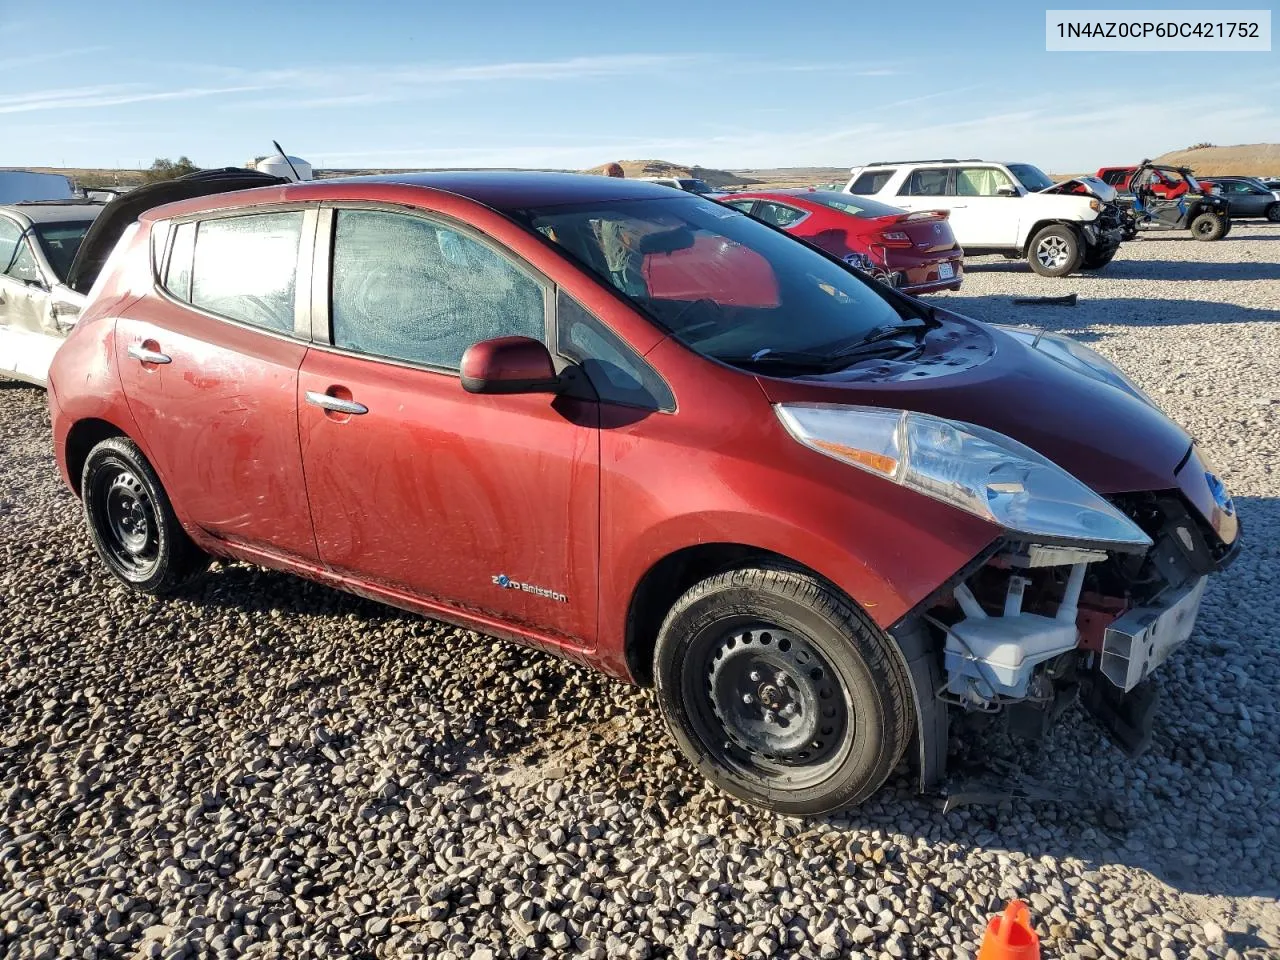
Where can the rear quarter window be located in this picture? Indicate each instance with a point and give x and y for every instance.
(872, 181)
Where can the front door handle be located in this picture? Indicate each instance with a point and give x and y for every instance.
(336, 404)
(143, 355)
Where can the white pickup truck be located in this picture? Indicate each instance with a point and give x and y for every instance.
(1007, 208)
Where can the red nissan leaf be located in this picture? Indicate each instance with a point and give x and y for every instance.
(915, 252)
(639, 429)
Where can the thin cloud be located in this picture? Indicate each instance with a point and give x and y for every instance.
(14, 63)
(103, 97)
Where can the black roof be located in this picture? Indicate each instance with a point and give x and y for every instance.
(509, 190)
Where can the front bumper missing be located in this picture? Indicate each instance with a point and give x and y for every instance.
(1142, 639)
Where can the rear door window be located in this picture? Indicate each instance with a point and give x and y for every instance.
(410, 289)
(927, 182)
(779, 214)
(246, 267)
(872, 181)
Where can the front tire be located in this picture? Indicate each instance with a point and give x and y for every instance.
(131, 522)
(781, 691)
(1096, 258)
(1209, 226)
(1055, 251)
(1273, 212)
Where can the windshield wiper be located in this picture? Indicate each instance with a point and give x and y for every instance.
(801, 359)
(881, 340)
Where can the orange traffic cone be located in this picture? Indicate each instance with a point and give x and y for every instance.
(1010, 937)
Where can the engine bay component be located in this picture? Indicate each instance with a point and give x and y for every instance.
(989, 658)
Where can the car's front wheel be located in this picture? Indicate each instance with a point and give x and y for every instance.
(132, 523)
(1098, 257)
(1273, 213)
(781, 691)
(1209, 226)
(1055, 251)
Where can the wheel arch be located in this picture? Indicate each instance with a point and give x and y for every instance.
(1040, 224)
(84, 435)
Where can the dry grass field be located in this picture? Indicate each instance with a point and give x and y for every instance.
(1244, 159)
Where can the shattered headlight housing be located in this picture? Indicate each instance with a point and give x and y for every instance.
(1072, 353)
(969, 467)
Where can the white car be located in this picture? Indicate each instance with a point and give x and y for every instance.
(52, 252)
(1007, 208)
(38, 243)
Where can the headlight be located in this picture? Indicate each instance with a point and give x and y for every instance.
(967, 466)
(1074, 354)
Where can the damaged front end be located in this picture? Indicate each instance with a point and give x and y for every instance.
(1034, 626)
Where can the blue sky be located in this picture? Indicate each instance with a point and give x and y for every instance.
(569, 84)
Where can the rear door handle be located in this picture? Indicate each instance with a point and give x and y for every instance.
(336, 404)
(143, 355)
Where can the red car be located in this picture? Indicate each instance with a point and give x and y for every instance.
(915, 252)
(644, 431)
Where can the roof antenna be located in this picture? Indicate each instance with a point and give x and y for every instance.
(280, 150)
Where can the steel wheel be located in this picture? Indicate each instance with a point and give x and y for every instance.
(131, 529)
(767, 704)
(1054, 253)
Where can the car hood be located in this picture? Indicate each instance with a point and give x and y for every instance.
(976, 373)
(1089, 185)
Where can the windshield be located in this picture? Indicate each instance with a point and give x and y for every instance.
(696, 186)
(722, 283)
(60, 241)
(1033, 178)
(848, 203)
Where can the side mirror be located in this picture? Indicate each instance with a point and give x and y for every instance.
(1006, 190)
(509, 365)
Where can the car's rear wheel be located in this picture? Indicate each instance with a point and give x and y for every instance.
(1273, 213)
(1098, 257)
(1055, 251)
(1209, 226)
(781, 691)
(132, 523)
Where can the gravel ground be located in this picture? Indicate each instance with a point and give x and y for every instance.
(269, 768)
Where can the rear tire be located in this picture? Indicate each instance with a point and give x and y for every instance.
(132, 523)
(1096, 258)
(1055, 251)
(1273, 212)
(781, 691)
(1209, 226)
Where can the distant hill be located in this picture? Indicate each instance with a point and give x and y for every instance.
(732, 179)
(1245, 159)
